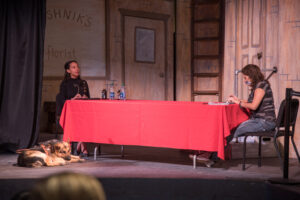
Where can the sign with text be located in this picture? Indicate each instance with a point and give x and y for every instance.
(75, 30)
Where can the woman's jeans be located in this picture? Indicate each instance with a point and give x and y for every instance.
(254, 125)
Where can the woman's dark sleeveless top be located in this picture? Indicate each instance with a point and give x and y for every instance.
(266, 109)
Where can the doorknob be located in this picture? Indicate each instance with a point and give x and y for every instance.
(259, 55)
(161, 75)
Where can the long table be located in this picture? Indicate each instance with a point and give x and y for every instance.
(171, 124)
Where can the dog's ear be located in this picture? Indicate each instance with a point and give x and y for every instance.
(66, 144)
(68, 147)
(52, 148)
(57, 147)
(44, 148)
(68, 141)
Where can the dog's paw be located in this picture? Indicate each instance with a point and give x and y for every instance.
(74, 157)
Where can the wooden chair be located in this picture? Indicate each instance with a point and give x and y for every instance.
(277, 132)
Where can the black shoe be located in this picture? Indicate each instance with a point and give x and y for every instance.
(76, 153)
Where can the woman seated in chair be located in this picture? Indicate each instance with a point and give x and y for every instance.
(261, 104)
(73, 87)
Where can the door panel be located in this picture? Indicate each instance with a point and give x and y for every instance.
(249, 41)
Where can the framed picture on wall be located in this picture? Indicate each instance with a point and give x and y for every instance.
(75, 31)
(144, 45)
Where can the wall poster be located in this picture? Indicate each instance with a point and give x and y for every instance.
(144, 45)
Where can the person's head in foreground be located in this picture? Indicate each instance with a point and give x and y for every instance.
(68, 186)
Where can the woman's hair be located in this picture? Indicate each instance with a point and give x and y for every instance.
(254, 74)
(68, 186)
(67, 66)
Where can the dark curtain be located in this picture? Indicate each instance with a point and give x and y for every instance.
(22, 33)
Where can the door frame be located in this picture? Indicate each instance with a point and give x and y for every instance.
(147, 15)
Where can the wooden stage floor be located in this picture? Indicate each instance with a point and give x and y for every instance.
(159, 164)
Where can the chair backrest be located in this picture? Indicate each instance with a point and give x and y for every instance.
(281, 113)
(59, 104)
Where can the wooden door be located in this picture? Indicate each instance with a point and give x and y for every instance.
(250, 42)
(144, 58)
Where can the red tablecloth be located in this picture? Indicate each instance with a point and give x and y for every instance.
(181, 125)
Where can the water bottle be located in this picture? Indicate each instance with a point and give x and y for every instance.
(111, 92)
(119, 94)
(122, 93)
(103, 94)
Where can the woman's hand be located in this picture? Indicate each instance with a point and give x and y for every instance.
(84, 96)
(233, 99)
(77, 96)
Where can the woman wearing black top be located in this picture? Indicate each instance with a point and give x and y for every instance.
(72, 87)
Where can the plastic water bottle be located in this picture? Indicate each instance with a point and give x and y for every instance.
(111, 92)
(103, 94)
(122, 93)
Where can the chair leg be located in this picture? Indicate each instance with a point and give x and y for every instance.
(56, 126)
(122, 151)
(259, 151)
(194, 161)
(56, 132)
(95, 152)
(99, 149)
(244, 153)
(295, 147)
(278, 152)
(74, 148)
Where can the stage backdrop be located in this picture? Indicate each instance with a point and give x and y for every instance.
(22, 31)
(75, 31)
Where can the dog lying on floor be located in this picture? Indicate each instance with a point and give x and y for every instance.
(49, 153)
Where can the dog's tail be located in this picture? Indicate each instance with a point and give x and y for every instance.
(19, 151)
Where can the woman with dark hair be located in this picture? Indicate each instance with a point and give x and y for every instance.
(260, 102)
(72, 87)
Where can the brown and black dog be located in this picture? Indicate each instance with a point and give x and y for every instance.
(49, 153)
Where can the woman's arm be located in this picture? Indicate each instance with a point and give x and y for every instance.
(258, 96)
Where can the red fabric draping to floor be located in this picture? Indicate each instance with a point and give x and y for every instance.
(181, 125)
